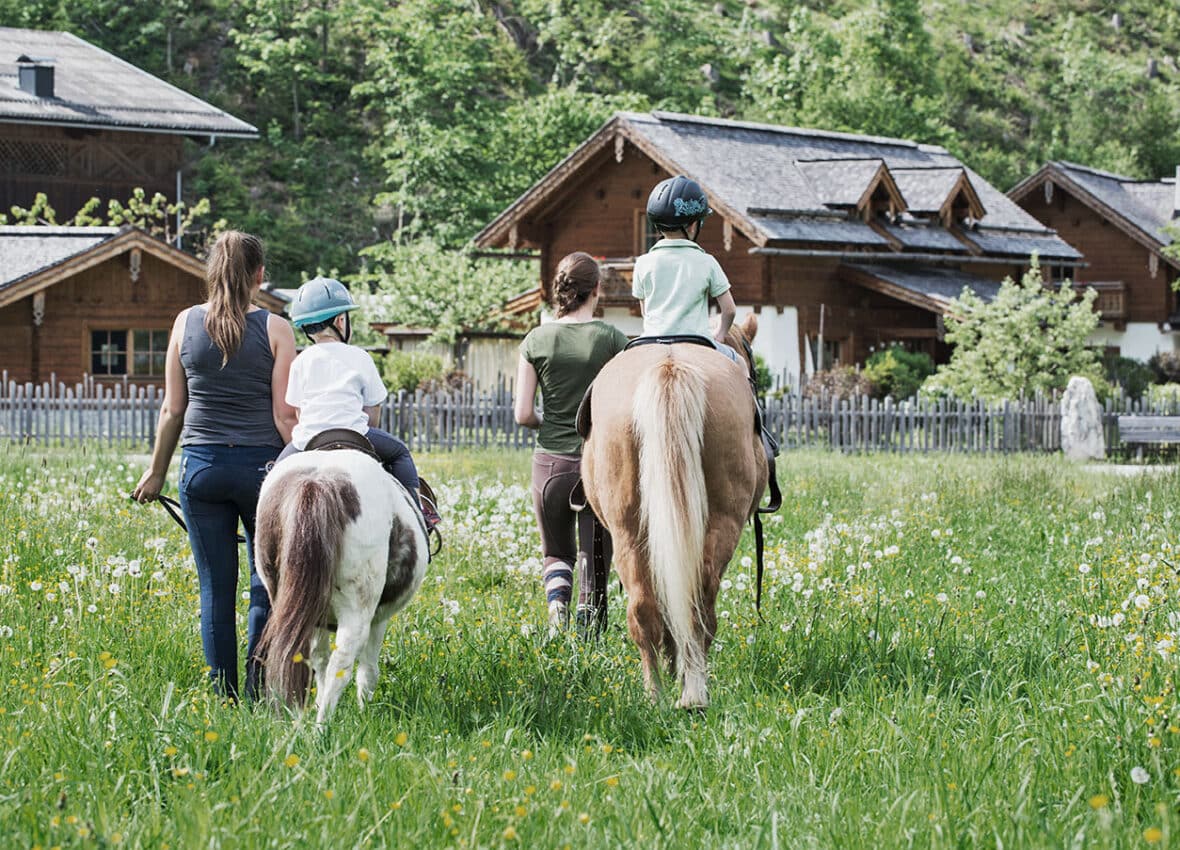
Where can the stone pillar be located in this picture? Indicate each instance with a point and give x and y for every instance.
(1081, 422)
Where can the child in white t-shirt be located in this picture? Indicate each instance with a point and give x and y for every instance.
(676, 278)
(336, 385)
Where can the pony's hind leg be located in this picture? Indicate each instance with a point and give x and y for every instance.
(318, 654)
(351, 636)
(366, 668)
(646, 627)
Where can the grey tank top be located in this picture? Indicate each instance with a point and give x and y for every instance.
(230, 405)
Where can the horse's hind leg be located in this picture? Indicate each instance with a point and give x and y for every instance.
(351, 636)
(317, 655)
(647, 629)
(720, 543)
(366, 668)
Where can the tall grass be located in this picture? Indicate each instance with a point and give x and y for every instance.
(953, 652)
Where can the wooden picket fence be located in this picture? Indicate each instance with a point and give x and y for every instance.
(124, 414)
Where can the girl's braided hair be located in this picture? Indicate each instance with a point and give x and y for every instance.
(577, 275)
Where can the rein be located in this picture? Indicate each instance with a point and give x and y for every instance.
(174, 510)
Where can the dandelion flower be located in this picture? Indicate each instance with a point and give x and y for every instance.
(211, 736)
(1153, 834)
(362, 754)
(291, 760)
(401, 739)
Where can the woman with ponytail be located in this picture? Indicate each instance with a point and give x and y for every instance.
(562, 358)
(225, 384)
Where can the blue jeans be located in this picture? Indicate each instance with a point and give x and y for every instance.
(218, 489)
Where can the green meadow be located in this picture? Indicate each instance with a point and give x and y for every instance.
(952, 652)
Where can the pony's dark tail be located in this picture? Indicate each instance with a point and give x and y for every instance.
(309, 512)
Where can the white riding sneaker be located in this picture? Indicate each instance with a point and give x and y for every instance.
(559, 617)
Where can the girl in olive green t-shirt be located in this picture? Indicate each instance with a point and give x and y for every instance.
(561, 359)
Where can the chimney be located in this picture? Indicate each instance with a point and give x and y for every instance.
(36, 76)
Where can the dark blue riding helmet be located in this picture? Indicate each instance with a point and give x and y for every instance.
(676, 203)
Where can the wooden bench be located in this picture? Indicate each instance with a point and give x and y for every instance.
(1139, 430)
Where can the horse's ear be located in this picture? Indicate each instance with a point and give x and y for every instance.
(750, 327)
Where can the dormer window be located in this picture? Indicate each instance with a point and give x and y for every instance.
(940, 194)
(861, 187)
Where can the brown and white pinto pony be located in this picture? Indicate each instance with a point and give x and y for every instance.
(673, 468)
(341, 547)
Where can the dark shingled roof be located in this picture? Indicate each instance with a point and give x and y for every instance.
(925, 189)
(757, 165)
(839, 182)
(28, 250)
(921, 236)
(936, 283)
(779, 185)
(1147, 204)
(93, 88)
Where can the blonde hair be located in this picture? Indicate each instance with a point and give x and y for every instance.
(577, 275)
(230, 272)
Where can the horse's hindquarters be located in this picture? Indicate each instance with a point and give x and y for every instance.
(672, 469)
(338, 542)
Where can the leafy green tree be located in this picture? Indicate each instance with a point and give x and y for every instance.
(422, 285)
(1028, 338)
(898, 373)
(874, 70)
(155, 215)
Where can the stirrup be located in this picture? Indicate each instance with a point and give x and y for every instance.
(427, 503)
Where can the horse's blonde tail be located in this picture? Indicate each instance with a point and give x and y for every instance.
(668, 413)
(309, 511)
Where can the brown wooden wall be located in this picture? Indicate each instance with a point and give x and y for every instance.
(1111, 253)
(99, 298)
(72, 165)
(602, 214)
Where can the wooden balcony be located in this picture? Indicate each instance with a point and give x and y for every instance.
(1111, 303)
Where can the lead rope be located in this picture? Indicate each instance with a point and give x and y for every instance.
(174, 510)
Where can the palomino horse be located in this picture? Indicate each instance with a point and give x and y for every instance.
(340, 547)
(673, 467)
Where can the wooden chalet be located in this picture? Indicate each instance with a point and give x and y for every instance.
(858, 240)
(1118, 224)
(93, 300)
(77, 122)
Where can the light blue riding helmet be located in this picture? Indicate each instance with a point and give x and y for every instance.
(320, 300)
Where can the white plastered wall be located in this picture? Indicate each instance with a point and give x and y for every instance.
(1138, 341)
(777, 341)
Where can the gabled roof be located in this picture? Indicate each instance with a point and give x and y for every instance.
(930, 288)
(1140, 208)
(932, 190)
(756, 176)
(94, 89)
(36, 258)
(848, 182)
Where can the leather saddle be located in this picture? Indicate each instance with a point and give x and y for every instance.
(336, 439)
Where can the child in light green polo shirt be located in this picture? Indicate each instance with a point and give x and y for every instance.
(676, 278)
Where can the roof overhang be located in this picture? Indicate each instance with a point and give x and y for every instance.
(126, 239)
(1052, 171)
(194, 133)
(901, 286)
